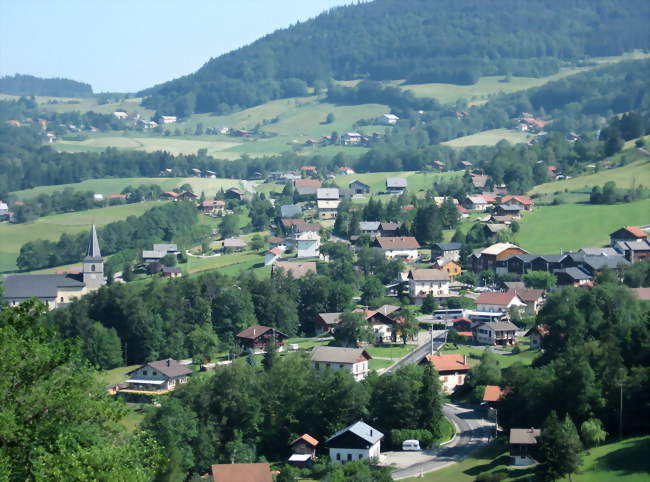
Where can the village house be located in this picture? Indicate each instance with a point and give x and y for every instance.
(452, 268)
(446, 251)
(168, 196)
(423, 282)
(476, 202)
(628, 233)
(231, 245)
(634, 251)
(235, 193)
(167, 119)
(462, 324)
(359, 441)
(479, 181)
(171, 272)
(212, 206)
(277, 242)
(535, 335)
(346, 171)
(327, 202)
(491, 230)
(358, 187)
(351, 139)
(272, 255)
(354, 360)
(487, 258)
(495, 333)
(403, 247)
(388, 230)
(533, 298)
(57, 290)
(522, 443)
(306, 187)
(395, 185)
(512, 211)
(573, 277)
(524, 203)
(121, 115)
(387, 119)
(158, 376)
(307, 244)
(371, 228)
(303, 450)
(452, 368)
(257, 337)
(498, 302)
(158, 252)
(257, 472)
(326, 322)
(294, 268)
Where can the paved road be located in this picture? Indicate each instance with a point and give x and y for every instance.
(421, 351)
(472, 433)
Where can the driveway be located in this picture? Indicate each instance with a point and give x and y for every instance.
(472, 433)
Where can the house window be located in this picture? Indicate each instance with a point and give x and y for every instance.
(349, 456)
(338, 456)
(62, 299)
(92, 267)
(360, 456)
(144, 372)
(153, 373)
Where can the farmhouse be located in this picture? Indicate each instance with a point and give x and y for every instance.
(210, 206)
(395, 185)
(452, 268)
(358, 187)
(487, 258)
(258, 472)
(496, 302)
(359, 441)
(346, 171)
(634, 251)
(257, 336)
(452, 368)
(446, 251)
(157, 376)
(572, 277)
(403, 247)
(388, 119)
(628, 233)
(295, 269)
(328, 202)
(304, 450)
(233, 244)
(171, 272)
(495, 333)
(59, 289)
(423, 282)
(371, 228)
(476, 203)
(524, 203)
(354, 360)
(306, 187)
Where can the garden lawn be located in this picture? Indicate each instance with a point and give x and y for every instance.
(551, 229)
(116, 375)
(379, 364)
(490, 138)
(474, 354)
(396, 350)
(51, 228)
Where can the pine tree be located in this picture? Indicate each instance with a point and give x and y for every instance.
(559, 448)
(430, 402)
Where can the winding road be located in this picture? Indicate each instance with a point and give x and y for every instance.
(472, 433)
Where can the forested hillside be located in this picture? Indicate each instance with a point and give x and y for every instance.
(29, 85)
(454, 41)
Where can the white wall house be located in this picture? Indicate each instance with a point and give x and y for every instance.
(354, 360)
(425, 281)
(496, 302)
(495, 333)
(158, 376)
(359, 441)
(307, 244)
(403, 247)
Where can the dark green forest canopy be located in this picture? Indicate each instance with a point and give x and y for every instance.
(29, 85)
(454, 41)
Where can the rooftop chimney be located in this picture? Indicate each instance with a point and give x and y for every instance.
(167, 361)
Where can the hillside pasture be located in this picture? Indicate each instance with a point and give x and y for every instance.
(489, 138)
(109, 186)
(415, 181)
(551, 229)
(52, 227)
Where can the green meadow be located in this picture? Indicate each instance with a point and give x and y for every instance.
(52, 227)
(490, 138)
(551, 229)
(415, 181)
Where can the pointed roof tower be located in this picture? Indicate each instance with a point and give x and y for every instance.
(93, 254)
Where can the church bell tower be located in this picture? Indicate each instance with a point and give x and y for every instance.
(93, 264)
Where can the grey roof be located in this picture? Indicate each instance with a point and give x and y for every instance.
(552, 258)
(290, 210)
(429, 275)
(168, 367)
(356, 181)
(396, 182)
(526, 258)
(500, 325)
(165, 248)
(336, 354)
(39, 285)
(635, 245)
(93, 253)
(369, 225)
(327, 193)
(362, 430)
(598, 251)
(574, 273)
(330, 318)
(171, 269)
(510, 207)
(600, 262)
(390, 226)
(524, 436)
(448, 246)
(234, 243)
(153, 254)
(514, 285)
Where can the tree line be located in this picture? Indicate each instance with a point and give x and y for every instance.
(393, 39)
(169, 222)
(20, 84)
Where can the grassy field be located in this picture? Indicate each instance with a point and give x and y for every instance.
(414, 180)
(633, 174)
(490, 138)
(73, 104)
(116, 185)
(625, 461)
(474, 354)
(550, 229)
(116, 375)
(397, 350)
(51, 228)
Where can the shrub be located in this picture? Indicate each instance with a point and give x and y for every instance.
(425, 437)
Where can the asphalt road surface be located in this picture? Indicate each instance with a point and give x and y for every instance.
(472, 433)
(421, 351)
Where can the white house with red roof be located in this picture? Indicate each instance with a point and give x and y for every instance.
(402, 247)
(452, 368)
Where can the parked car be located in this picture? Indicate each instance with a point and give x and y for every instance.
(411, 445)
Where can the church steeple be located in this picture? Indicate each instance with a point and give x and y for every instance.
(93, 254)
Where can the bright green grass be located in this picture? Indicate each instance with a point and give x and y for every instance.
(116, 185)
(474, 354)
(490, 138)
(52, 227)
(397, 350)
(414, 180)
(116, 375)
(549, 229)
(306, 343)
(625, 461)
(375, 364)
(633, 174)
(240, 260)
(88, 104)
(134, 416)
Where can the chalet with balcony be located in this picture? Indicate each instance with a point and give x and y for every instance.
(159, 377)
(257, 337)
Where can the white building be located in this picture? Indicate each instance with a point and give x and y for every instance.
(121, 115)
(452, 369)
(354, 360)
(423, 282)
(497, 302)
(272, 255)
(403, 247)
(495, 333)
(167, 119)
(359, 441)
(307, 244)
(388, 119)
(157, 376)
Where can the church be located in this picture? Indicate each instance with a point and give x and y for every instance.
(59, 289)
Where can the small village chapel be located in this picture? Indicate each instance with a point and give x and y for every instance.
(59, 289)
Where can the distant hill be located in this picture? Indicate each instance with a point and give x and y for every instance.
(452, 41)
(29, 85)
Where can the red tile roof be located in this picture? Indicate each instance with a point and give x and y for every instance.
(307, 438)
(307, 183)
(446, 363)
(493, 393)
(260, 472)
(525, 200)
(466, 333)
(635, 231)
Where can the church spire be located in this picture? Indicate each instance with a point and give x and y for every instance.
(93, 247)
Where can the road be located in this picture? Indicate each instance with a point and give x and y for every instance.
(421, 351)
(472, 433)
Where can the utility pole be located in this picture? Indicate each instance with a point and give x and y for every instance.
(621, 381)
(432, 338)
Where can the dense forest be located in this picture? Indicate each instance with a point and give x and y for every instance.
(29, 85)
(454, 41)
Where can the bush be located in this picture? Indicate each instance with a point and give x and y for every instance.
(425, 437)
(516, 350)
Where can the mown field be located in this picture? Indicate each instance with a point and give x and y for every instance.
(631, 175)
(490, 138)
(377, 180)
(551, 229)
(109, 186)
(51, 228)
